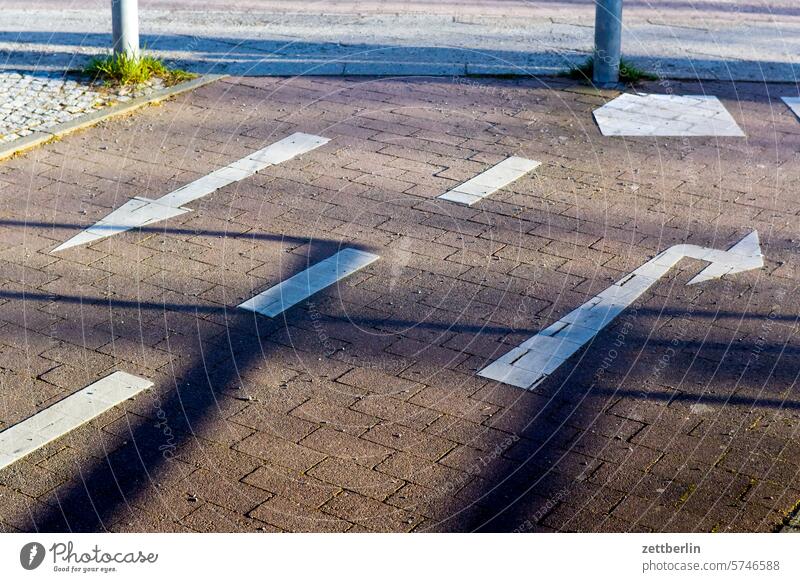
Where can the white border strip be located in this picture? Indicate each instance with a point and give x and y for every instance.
(303, 285)
(65, 415)
(139, 211)
(492, 180)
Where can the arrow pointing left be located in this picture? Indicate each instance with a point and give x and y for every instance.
(140, 212)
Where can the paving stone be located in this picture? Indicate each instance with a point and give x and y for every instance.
(288, 516)
(356, 478)
(347, 447)
(396, 410)
(409, 440)
(335, 417)
(279, 425)
(292, 485)
(282, 452)
(424, 472)
(373, 515)
(432, 503)
(376, 382)
(215, 488)
(211, 518)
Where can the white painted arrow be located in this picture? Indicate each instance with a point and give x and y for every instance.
(527, 365)
(140, 212)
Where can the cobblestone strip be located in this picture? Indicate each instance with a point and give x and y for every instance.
(35, 111)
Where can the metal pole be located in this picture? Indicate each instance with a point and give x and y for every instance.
(607, 42)
(125, 27)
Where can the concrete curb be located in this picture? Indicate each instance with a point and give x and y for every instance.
(41, 137)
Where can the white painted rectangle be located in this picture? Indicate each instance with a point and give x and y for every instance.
(595, 317)
(666, 115)
(204, 186)
(508, 374)
(288, 147)
(493, 179)
(249, 165)
(539, 362)
(189, 193)
(572, 332)
(460, 197)
(67, 414)
(562, 346)
(626, 294)
(793, 103)
(228, 175)
(282, 296)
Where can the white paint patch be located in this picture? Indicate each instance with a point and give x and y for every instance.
(491, 180)
(141, 212)
(67, 414)
(701, 409)
(793, 103)
(534, 360)
(282, 296)
(666, 115)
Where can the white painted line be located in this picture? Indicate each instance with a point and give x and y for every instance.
(288, 148)
(793, 103)
(140, 212)
(493, 179)
(527, 365)
(460, 197)
(303, 285)
(67, 414)
(665, 116)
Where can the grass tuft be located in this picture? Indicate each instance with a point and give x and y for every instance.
(121, 70)
(628, 73)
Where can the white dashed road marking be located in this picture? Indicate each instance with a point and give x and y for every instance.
(282, 296)
(665, 116)
(65, 415)
(491, 180)
(529, 364)
(140, 211)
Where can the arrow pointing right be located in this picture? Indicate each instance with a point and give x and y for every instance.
(527, 365)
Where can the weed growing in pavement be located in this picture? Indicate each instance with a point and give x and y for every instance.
(122, 70)
(628, 73)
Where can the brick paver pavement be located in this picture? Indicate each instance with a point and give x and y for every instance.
(360, 410)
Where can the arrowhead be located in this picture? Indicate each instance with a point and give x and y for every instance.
(743, 256)
(135, 213)
(82, 238)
